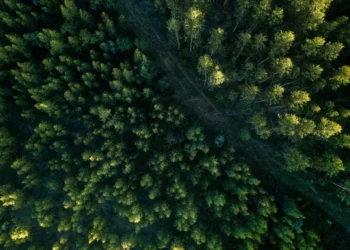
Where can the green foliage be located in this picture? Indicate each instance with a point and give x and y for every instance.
(282, 42)
(274, 94)
(343, 194)
(291, 209)
(299, 98)
(286, 54)
(331, 51)
(243, 40)
(285, 236)
(312, 12)
(329, 163)
(259, 122)
(101, 158)
(211, 72)
(327, 128)
(282, 66)
(249, 93)
(276, 16)
(196, 143)
(174, 25)
(124, 43)
(343, 141)
(295, 160)
(7, 146)
(193, 26)
(312, 47)
(312, 72)
(282, 59)
(215, 41)
(292, 126)
(93, 170)
(342, 77)
(217, 77)
(205, 66)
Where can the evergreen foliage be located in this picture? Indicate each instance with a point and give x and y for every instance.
(288, 63)
(95, 156)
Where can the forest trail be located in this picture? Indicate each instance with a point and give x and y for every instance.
(198, 105)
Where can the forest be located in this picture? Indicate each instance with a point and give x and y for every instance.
(181, 125)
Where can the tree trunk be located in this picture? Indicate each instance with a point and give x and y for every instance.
(275, 107)
(191, 43)
(240, 50)
(178, 41)
(265, 80)
(264, 60)
(234, 29)
(288, 83)
(246, 60)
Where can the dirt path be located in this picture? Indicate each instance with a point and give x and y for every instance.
(197, 104)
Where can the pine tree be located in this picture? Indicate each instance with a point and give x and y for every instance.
(193, 26)
(174, 25)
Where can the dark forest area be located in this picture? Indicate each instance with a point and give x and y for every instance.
(182, 125)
